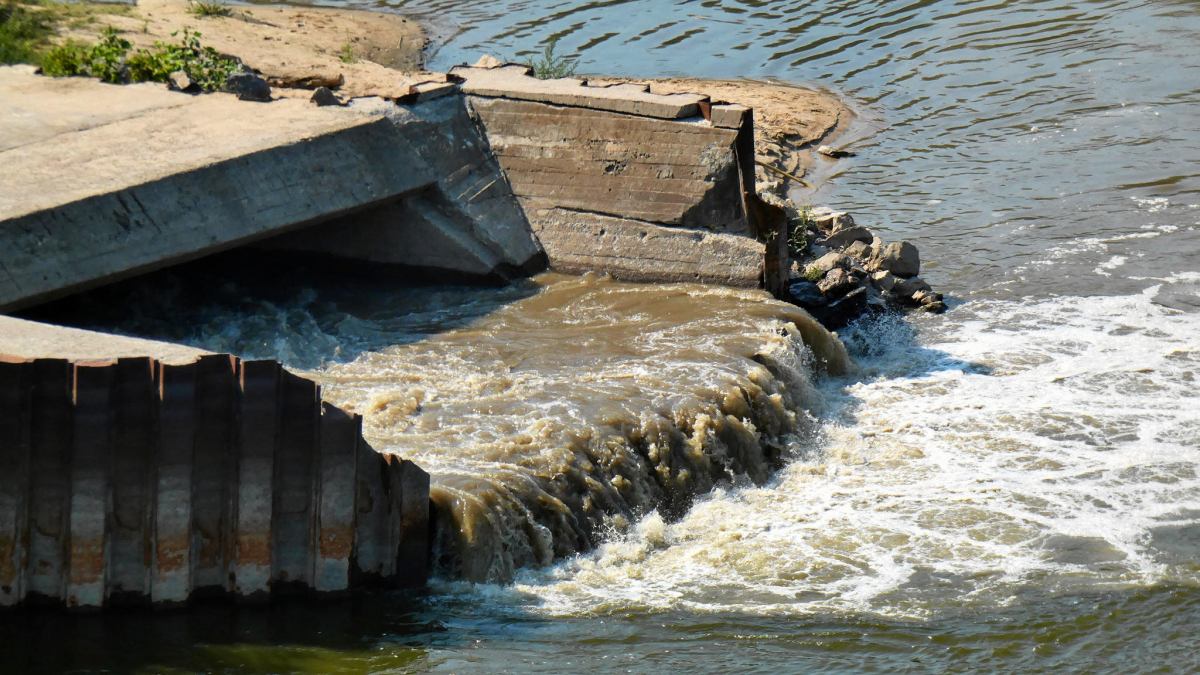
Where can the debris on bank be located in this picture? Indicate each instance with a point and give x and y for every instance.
(841, 270)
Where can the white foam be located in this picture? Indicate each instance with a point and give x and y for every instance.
(1021, 445)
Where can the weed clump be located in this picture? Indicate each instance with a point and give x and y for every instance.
(21, 32)
(551, 66)
(26, 27)
(798, 234)
(204, 8)
(110, 60)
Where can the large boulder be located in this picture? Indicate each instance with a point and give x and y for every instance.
(901, 259)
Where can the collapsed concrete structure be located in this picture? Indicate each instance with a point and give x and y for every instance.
(103, 182)
(132, 472)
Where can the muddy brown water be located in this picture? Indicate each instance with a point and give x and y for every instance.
(1011, 486)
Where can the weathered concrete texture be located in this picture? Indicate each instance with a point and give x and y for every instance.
(20, 338)
(137, 481)
(466, 224)
(639, 190)
(92, 199)
(514, 82)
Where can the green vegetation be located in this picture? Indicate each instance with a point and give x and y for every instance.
(22, 32)
(551, 66)
(111, 61)
(798, 232)
(813, 274)
(346, 53)
(209, 8)
(27, 28)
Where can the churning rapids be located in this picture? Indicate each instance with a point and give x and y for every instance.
(1013, 485)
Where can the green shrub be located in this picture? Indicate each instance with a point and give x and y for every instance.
(209, 8)
(204, 65)
(110, 60)
(21, 32)
(346, 53)
(552, 66)
(798, 236)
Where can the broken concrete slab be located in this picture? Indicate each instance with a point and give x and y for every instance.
(176, 177)
(514, 83)
(578, 242)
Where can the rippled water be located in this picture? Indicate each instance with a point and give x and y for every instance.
(1012, 485)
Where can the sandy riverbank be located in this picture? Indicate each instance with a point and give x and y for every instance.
(371, 54)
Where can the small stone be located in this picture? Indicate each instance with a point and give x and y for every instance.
(843, 238)
(836, 283)
(487, 61)
(180, 81)
(830, 151)
(828, 220)
(936, 307)
(248, 87)
(822, 265)
(323, 96)
(901, 259)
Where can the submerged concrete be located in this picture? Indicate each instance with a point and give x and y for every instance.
(167, 177)
(131, 479)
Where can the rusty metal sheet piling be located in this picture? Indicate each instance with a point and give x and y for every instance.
(132, 481)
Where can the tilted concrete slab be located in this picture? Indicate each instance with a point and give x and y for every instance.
(165, 177)
(513, 82)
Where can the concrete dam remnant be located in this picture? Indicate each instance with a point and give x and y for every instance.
(641, 186)
(139, 480)
(132, 471)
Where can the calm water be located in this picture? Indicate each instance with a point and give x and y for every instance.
(1010, 486)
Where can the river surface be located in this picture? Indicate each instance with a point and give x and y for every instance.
(1010, 486)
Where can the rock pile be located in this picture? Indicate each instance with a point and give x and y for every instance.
(841, 270)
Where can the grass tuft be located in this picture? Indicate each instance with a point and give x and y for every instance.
(551, 66)
(209, 8)
(22, 32)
